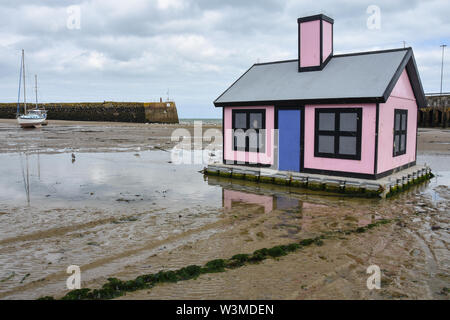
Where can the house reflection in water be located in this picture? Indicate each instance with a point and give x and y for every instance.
(289, 210)
(232, 196)
(269, 203)
(240, 192)
(294, 214)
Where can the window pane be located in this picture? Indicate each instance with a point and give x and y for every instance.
(403, 142)
(326, 121)
(239, 139)
(397, 121)
(262, 140)
(326, 144)
(240, 120)
(396, 143)
(348, 122)
(253, 139)
(347, 145)
(404, 121)
(256, 120)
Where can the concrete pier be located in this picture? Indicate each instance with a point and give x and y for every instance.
(381, 188)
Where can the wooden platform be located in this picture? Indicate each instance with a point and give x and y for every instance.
(384, 187)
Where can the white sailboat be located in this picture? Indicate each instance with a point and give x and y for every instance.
(32, 118)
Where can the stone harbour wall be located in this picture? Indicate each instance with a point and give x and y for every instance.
(152, 112)
(437, 111)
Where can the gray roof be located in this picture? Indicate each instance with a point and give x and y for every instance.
(349, 77)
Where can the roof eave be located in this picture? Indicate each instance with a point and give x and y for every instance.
(233, 83)
(408, 63)
(300, 102)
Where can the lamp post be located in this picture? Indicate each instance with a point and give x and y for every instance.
(442, 64)
(444, 116)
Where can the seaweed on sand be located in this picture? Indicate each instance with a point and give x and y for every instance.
(116, 287)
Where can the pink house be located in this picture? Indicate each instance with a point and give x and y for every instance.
(352, 115)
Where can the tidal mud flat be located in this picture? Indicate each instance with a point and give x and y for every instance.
(133, 212)
(77, 136)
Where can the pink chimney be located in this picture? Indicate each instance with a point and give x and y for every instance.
(315, 42)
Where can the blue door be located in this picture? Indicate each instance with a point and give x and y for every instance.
(289, 139)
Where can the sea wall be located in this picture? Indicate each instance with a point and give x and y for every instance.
(153, 112)
(161, 112)
(437, 111)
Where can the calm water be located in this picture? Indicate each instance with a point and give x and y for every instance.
(104, 211)
(116, 179)
(105, 179)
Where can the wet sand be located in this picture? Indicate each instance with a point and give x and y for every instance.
(412, 257)
(79, 136)
(433, 140)
(63, 136)
(94, 219)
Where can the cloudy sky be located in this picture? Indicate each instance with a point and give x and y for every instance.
(138, 50)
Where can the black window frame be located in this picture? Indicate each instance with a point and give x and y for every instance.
(336, 133)
(247, 140)
(399, 132)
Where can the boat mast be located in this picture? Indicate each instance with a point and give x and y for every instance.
(20, 86)
(35, 88)
(24, 92)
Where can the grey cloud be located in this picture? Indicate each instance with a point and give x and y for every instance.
(135, 50)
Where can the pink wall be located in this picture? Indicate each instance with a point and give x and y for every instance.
(365, 165)
(310, 43)
(264, 158)
(402, 97)
(327, 39)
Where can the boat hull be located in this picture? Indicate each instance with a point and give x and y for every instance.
(31, 123)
